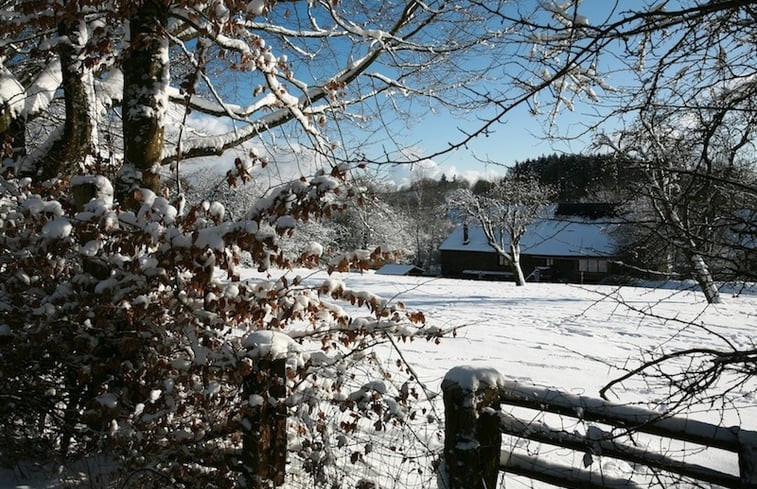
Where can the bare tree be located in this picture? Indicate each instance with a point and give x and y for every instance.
(423, 201)
(367, 221)
(504, 213)
(681, 113)
(697, 188)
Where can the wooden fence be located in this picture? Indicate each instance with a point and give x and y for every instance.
(475, 424)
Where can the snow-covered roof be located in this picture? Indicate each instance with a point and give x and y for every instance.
(546, 237)
(398, 269)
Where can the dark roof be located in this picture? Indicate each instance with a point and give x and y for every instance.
(587, 210)
(399, 269)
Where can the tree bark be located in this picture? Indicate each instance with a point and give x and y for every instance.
(682, 240)
(702, 275)
(71, 148)
(699, 268)
(520, 279)
(146, 76)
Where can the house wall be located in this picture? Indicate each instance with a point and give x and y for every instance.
(564, 269)
(466, 264)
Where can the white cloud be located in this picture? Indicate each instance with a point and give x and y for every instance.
(402, 174)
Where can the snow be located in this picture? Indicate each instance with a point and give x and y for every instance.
(42, 91)
(102, 185)
(108, 400)
(217, 210)
(90, 248)
(11, 92)
(397, 269)
(571, 337)
(376, 386)
(35, 205)
(285, 222)
(274, 345)
(110, 89)
(212, 237)
(256, 400)
(58, 228)
(315, 249)
(473, 378)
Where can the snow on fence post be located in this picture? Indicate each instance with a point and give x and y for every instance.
(264, 421)
(472, 439)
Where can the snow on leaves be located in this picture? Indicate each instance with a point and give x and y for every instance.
(146, 342)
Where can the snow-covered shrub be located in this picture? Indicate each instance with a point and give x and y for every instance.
(128, 331)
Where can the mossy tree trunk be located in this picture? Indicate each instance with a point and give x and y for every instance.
(145, 67)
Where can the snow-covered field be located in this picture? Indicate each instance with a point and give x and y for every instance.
(571, 337)
(575, 338)
(568, 336)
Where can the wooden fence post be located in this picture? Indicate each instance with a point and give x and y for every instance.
(264, 442)
(748, 459)
(472, 438)
(83, 192)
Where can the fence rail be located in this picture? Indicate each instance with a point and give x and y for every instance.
(475, 423)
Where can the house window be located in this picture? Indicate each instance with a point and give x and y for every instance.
(550, 262)
(592, 265)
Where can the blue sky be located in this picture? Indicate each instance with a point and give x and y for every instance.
(520, 135)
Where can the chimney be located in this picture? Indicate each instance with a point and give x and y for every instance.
(466, 238)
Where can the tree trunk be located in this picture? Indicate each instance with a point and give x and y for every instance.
(688, 247)
(520, 279)
(683, 241)
(146, 77)
(669, 262)
(702, 275)
(71, 148)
